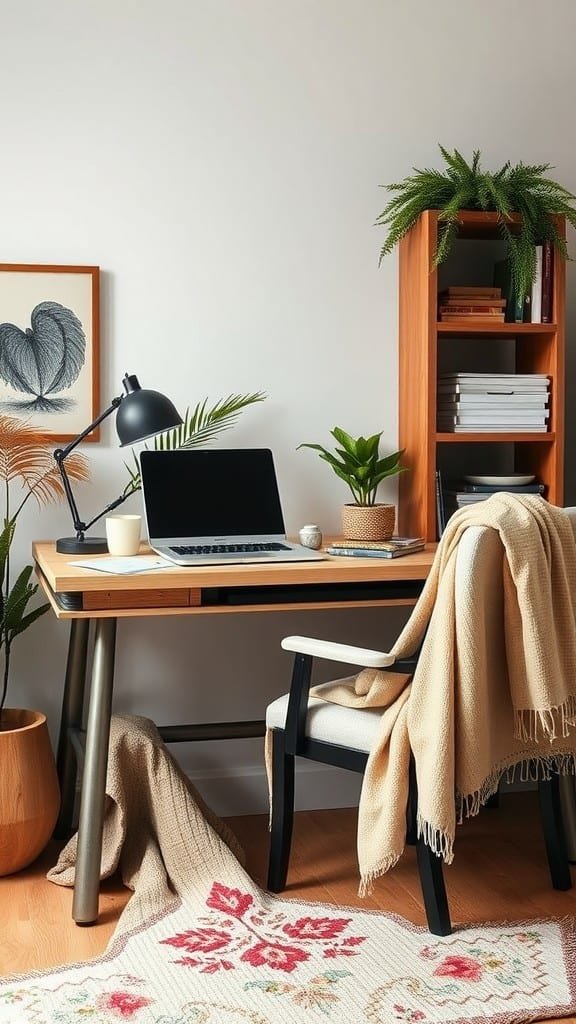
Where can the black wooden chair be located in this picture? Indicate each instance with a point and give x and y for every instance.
(303, 726)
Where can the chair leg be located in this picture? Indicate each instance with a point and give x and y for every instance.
(433, 890)
(412, 806)
(282, 812)
(429, 865)
(551, 815)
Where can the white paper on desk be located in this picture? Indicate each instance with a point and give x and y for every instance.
(126, 566)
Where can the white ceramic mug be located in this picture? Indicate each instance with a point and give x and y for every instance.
(123, 535)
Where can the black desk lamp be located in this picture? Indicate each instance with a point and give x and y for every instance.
(141, 414)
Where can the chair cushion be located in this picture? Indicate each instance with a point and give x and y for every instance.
(331, 723)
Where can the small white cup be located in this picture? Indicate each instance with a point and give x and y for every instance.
(123, 535)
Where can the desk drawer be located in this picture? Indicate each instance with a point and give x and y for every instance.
(177, 598)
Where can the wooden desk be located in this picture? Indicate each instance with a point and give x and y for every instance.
(84, 596)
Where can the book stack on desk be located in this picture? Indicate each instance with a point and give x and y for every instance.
(393, 548)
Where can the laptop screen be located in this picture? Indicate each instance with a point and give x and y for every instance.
(209, 493)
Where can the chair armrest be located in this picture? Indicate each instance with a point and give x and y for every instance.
(337, 652)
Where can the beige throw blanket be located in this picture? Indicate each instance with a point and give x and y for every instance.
(494, 689)
(157, 829)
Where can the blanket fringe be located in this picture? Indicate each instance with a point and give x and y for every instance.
(532, 769)
(368, 879)
(533, 725)
(439, 840)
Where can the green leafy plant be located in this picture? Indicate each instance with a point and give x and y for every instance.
(521, 189)
(358, 464)
(26, 459)
(200, 426)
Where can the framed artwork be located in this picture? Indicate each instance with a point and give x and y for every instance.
(50, 347)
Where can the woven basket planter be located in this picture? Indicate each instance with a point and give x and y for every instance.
(368, 522)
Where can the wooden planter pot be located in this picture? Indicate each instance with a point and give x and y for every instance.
(368, 522)
(29, 791)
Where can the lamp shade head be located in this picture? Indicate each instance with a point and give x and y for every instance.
(143, 413)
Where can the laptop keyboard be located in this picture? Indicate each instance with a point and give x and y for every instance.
(219, 549)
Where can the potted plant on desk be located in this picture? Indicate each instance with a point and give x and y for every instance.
(358, 463)
(29, 795)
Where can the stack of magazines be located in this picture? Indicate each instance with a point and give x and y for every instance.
(493, 402)
(393, 548)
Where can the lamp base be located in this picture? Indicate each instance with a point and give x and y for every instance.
(88, 546)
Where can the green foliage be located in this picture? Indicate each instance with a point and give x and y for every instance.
(27, 458)
(358, 464)
(14, 601)
(200, 426)
(522, 189)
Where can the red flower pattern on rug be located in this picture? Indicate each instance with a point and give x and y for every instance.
(122, 1005)
(460, 967)
(257, 936)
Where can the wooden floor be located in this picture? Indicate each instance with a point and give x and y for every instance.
(499, 874)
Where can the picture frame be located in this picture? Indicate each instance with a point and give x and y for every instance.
(50, 347)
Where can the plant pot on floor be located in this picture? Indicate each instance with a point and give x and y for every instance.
(29, 791)
(368, 522)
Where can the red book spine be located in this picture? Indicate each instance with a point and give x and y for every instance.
(547, 260)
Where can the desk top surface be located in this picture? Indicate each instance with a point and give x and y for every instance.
(62, 577)
(336, 582)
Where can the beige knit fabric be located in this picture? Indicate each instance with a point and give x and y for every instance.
(157, 829)
(494, 688)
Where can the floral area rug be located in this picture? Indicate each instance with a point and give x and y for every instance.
(200, 943)
(239, 956)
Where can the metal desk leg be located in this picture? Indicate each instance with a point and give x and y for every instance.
(71, 718)
(87, 884)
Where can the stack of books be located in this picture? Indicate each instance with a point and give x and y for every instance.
(493, 403)
(393, 548)
(537, 306)
(471, 303)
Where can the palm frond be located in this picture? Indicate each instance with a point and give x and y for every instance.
(200, 426)
(47, 487)
(26, 457)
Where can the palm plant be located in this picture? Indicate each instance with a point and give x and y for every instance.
(521, 189)
(25, 458)
(358, 464)
(199, 427)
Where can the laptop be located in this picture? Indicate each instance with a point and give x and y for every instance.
(216, 506)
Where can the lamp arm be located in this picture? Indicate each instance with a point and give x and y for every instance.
(60, 456)
(62, 453)
(113, 504)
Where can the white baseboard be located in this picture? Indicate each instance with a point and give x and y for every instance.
(245, 790)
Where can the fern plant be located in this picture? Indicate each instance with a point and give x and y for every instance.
(199, 427)
(523, 189)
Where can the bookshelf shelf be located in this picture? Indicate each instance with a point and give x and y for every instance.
(477, 329)
(500, 438)
(427, 347)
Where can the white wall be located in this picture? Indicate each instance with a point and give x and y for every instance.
(220, 160)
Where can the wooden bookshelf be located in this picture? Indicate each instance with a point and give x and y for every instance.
(538, 348)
